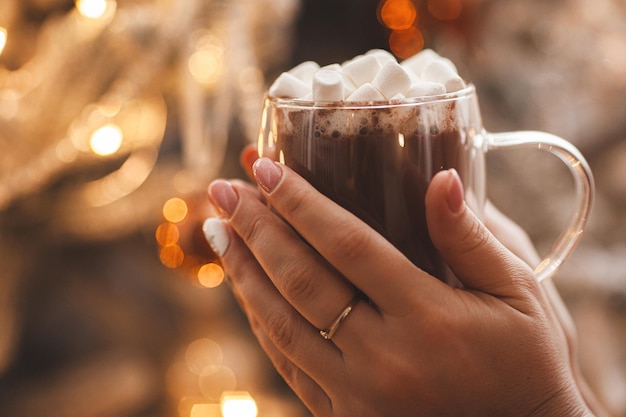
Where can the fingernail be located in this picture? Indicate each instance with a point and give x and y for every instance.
(455, 191)
(224, 196)
(216, 234)
(267, 173)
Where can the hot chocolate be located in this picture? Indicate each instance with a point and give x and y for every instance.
(377, 162)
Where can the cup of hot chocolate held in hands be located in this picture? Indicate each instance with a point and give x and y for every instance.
(372, 132)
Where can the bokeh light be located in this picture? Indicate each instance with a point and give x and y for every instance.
(175, 210)
(238, 404)
(106, 140)
(171, 256)
(398, 14)
(3, 38)
(210, 275)
(202, 355)
(167, 234)
(205, 410)
(406, 43)
(93, 9)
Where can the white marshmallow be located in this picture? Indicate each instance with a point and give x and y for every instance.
(382, 56)
(440, 71)
(418, 62)
(332, 67)
(305, 71)
(328, 86)
(362, 69)
(425, 88)
(366, 92)
(392, 79)
(287, 85)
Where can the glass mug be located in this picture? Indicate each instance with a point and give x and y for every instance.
(376, 160)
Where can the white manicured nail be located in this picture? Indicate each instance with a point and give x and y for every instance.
(216, 234)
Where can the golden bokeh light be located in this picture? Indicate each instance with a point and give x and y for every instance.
(167, 234)
(106, 140)
(206, 65)
(93, 9)
(406, 43)
(203, 355)
(398, 14)
(171, 256)
(238, 404)
(175, 210)
(3, 38)
(210, 275)
(445, 9)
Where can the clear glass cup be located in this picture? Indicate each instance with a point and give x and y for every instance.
(376, 159)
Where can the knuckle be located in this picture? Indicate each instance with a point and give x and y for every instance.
(295, 199)
(255, 228)
(280, 331)
(351, 243)
(298, 284)
(476, 238)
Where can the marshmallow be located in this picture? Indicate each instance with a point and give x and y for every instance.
(440, 71)
(332, 67)
(328, 86)
(382, 56)
(392, 79)
(305, 71)
(287, 85)
(366, 92)
(418, 62)
(362, 69)
(425, 88)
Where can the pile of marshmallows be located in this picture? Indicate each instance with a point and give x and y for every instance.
(374, 76)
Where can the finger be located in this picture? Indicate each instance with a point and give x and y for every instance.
(305, 387)
(306, 280)
(287, 329)
(356, 250)
(478, 259)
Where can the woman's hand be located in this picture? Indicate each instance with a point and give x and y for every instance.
(417, 347)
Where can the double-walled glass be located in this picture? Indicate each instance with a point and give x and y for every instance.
(376, 160)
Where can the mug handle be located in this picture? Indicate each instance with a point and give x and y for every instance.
(583, 181)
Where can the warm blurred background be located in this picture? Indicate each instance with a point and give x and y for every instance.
(115, 115)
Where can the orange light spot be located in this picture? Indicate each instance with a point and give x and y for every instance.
(406, 43)
(445, 9)
(210, 275)
(175, 210)
(167, 234)
(398, 14)
(171, 256)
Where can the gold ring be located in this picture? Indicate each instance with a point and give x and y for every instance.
(330, 332)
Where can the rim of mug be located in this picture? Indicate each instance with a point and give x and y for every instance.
(469, 90)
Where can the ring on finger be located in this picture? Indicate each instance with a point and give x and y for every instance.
(330, 332)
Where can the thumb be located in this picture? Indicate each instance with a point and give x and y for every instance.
(476, 257)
